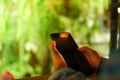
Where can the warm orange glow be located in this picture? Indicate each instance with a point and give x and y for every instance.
(64, 35)
(118, 10)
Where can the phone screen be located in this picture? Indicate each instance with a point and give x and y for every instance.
(65, 42)
(75, 59)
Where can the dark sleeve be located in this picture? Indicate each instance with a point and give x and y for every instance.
(111, 68)
(102, 63)
(67, 74)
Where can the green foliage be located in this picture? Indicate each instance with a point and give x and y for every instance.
(25, 26)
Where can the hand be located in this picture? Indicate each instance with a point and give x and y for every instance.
(91, 55)
(58, 60)
(6, 76)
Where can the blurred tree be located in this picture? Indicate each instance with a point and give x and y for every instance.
(25, 26)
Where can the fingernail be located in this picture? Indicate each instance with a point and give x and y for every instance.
(53, 44)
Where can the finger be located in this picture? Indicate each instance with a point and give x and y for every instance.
(91, 55)
(57, 58)
(6, 76)
(88, 51)
(9, 75)
(53, 48)
(85, 48)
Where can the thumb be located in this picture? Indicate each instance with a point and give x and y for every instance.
(57, 58)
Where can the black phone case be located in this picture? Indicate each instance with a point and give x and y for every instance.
(74, 58)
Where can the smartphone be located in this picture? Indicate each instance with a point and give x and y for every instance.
(74, 58)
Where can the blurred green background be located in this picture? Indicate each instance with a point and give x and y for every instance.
(25, 26)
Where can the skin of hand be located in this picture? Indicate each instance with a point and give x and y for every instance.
(57, 58)
(91, 55)
(6, 76)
